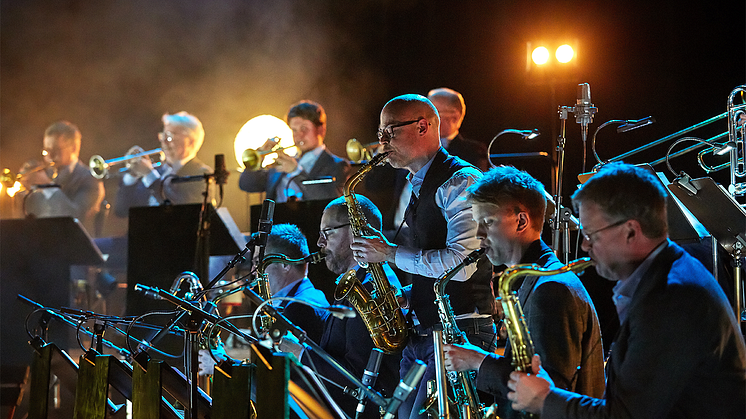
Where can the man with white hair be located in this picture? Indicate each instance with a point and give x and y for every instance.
(145, 185)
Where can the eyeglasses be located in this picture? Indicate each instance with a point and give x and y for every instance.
(388, 132)
(325, 232)
(165, 136)
(589, 236)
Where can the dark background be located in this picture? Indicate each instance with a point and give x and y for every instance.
(114, 68)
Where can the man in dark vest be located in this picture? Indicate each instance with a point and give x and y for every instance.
(442, 233)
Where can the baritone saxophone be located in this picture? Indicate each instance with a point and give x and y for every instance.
(380, 310)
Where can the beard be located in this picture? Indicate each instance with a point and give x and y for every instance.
(336, 263)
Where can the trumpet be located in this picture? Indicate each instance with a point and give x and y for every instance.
(358, 152)
(252, 159)
(100, 167)
(12, 181)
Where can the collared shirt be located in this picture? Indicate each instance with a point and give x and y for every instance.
(154, 175)
(462, 229)
(287, 186)
(625, 289)
(286, 290)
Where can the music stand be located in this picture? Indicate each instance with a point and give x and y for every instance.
(36, 256)
(722, 216)
(162, 244)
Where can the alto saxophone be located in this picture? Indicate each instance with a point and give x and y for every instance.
(379, 310)
(261, 282)
(515, 322)
(462, 382)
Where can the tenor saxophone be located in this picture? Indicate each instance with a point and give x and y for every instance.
(462, 382)
(380, 310)
(515, 322)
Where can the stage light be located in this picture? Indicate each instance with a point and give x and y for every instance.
(257, 131)
(540, 55)
(564, 53)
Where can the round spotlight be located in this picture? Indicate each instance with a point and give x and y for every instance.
(540, 55)
(564, 53)
(257, 131)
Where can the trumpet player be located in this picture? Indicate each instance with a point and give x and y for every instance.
(679, 352)
(508, 206)
(284, 180)
(75, 193)
(145, 185)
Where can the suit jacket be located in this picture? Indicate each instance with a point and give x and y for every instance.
(678, 354)
(79, 196)
(349, 342)
(327, 165)
(472, 151)
(564, 329)
(306, 317)
(163, 189)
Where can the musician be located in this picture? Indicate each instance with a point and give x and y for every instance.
(348, 340)
(442, 232)
(144, 185)
(679, 352)
(452, 110)
(509, 205)
(76, 193)
(284, 180)
(291, 280)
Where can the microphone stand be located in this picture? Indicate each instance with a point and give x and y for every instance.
(282, 324)
(559, 220)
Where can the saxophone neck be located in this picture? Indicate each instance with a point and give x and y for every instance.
(472, 257)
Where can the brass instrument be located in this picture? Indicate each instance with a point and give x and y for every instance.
(12, 181)
(380, 310)
(252, 159)
(357, 152)
(515, 322)
(100, 167)
(261, 281)
(462, 382)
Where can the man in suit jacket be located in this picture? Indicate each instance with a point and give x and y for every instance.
(289, 178)
(78, 194)
(679, 352)
(143, 185)
(348, 340)
(509, 207)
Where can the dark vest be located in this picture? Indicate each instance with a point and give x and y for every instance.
(429, 230)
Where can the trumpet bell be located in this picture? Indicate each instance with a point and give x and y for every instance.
(252, 160)
(357, 152)
(98, 166)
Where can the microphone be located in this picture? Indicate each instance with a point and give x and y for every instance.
(265, 221)
(150, 292)
(584, 109)
(341, 312)
(405, 388)
(369, 376)
(221, 173)
(631, 124)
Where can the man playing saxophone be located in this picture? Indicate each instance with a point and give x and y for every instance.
(442, 233)
(679, 352)
(348, 340)
(508, 205)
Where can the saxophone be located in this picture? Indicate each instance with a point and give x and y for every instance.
(380, 310)
(515, 322)
(462, 383)
(261, 282)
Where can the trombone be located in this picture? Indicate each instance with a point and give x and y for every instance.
(100, 167)
(252, 158)
(357, 152)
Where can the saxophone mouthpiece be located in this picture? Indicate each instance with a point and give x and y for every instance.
(315, 257)
(474, 256)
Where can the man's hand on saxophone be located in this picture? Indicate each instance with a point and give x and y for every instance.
(373, 248)
(528, 391)
(464, 357)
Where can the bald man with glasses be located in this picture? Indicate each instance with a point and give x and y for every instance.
(441, 233)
